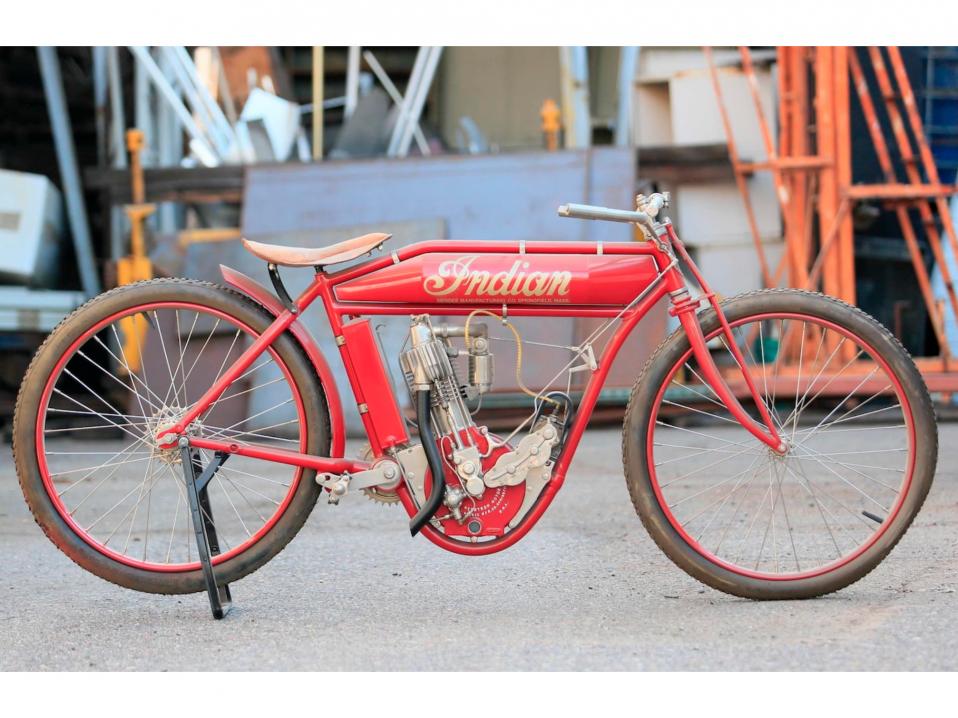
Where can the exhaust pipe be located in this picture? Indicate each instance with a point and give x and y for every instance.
(428, 439)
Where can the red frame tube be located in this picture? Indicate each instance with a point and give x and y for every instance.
(323, 464)
(670, 280)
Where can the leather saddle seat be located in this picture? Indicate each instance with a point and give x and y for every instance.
(316, 256)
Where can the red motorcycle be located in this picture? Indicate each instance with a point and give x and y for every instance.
(777, 445)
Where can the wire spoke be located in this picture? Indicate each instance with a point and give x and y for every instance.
(810, 488)
(707, 436)
(699, 411)
(851, 466)
(256, 433)
(61, 494)
(233, 469)
(202, 349)
(801, 404)
(166, 357)
(702, 381)
(100, 427)
(842, 478)
(114, 377)
(228, 478)
(233, 506)
(119, 425)
(722, 499)
(703, 468)
(250, 418)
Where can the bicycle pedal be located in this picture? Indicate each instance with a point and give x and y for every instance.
(338, 486)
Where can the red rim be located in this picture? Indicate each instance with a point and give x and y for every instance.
(54, 496)
(838, 563)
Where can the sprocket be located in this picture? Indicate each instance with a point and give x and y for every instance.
(375, 493)
(386, 498)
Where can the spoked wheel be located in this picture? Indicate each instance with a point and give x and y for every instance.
(862, 449)
(113, 375)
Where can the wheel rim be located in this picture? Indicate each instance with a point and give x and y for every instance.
(823, 504)
(124, 496)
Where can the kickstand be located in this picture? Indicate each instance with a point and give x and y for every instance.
(207, 544)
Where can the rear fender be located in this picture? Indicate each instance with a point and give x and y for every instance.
(261, 295)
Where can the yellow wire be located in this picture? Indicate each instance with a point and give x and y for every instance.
(515, 333)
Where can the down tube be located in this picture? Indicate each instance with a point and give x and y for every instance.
(583, 415)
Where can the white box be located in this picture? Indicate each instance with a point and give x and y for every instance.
(658, 64)
(731, 269)
(31, 222)
(651, 115)
(696, 119)
(712, 213)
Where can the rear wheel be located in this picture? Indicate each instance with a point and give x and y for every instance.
(862, 441)
(117, 371)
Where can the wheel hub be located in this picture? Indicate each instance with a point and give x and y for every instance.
(163, 449)
(783, 451)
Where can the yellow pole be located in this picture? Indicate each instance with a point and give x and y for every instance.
(318, 70)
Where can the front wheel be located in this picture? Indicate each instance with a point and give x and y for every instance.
(862, 438)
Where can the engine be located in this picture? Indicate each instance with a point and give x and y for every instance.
(489, 485)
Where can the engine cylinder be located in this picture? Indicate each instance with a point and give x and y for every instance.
(427, 366)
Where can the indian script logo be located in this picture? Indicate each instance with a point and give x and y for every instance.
(456, 276)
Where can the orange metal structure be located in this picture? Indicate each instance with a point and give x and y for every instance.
(812, 172)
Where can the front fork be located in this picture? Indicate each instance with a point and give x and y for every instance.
(684, 308)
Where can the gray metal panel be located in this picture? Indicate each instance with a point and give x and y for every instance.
(509, 196)
(23, 309)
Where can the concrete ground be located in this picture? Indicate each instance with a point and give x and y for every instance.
(586, 590)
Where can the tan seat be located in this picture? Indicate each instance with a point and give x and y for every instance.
(316, 256)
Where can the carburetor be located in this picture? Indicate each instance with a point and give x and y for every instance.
(481, 362)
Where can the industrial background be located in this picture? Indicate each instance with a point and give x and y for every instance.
(828, 168)
(816, 167)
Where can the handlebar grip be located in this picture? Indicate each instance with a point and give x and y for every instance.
(588, 211)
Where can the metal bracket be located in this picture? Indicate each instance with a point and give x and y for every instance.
(204, 530)
(414, 467)
(280, 288)
(533, 452)
(536, 480)
(587, 355)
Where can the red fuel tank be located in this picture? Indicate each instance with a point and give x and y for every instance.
(515, 279)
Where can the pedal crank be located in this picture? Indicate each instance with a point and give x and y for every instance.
(386, 474)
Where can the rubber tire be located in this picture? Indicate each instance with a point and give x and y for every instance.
(640, 409)
(27, 407)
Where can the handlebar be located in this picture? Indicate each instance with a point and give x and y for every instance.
(648, 209)
(588, 211)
